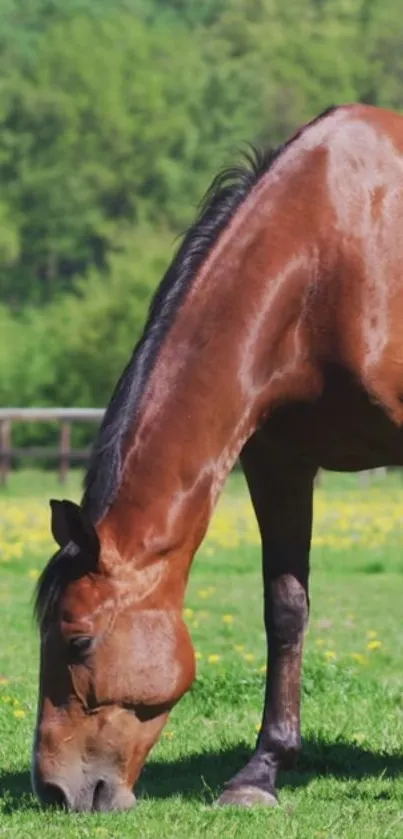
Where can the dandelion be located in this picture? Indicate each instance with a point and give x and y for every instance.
(330, 655)
(249, 656)
(19, 714)
(213, 658)
(359, 658)
(204, 593)
(188, 613)
(228, 619)
(374, 645)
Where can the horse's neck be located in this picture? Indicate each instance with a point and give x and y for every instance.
(236, 332)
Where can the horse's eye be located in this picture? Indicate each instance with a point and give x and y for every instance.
(79, 646)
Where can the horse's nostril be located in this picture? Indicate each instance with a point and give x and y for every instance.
(53, 796)
(102, 796)
(109, 796)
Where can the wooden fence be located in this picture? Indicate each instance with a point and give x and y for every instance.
(63, 452)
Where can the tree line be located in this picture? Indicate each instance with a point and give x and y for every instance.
(114, 117)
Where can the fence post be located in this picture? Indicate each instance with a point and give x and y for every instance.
(5, 450)
(65, 435)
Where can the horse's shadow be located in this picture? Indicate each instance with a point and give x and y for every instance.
(202, 776)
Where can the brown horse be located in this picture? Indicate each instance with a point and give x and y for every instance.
(275, 335)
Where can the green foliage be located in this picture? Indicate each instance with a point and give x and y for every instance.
(113, 120)
(96, 328)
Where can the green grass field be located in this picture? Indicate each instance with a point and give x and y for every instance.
(349, 779)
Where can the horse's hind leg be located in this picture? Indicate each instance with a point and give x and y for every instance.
(282, 492)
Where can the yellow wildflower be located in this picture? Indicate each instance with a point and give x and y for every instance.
(19, 714)
(359, 658)
(213, 658)
(204, 593)
(330, 655)
(374, 645)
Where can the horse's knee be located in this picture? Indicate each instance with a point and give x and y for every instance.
(286, 610)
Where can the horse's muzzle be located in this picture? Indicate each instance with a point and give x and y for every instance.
(94, 794)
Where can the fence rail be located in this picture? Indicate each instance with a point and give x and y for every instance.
(64, 453)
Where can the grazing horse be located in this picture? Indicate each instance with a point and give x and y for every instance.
(276, 335)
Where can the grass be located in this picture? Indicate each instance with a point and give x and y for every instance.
(349, 780)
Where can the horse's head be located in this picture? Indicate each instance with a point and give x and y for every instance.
(113, 663)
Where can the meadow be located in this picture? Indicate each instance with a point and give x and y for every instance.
(348, 783)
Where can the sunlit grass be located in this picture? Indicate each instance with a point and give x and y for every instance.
(348, 782)
(361, 518)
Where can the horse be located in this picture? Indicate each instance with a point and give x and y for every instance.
(275, 336)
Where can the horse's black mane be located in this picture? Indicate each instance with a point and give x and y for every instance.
(226, 193)
(223, 198)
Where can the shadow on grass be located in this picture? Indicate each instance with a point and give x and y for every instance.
(202, 776)
(15, 792)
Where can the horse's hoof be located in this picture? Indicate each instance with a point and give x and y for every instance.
(247, 797)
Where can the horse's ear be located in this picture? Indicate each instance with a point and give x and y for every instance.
(70, 524)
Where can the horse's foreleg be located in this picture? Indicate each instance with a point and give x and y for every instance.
(281, 492)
